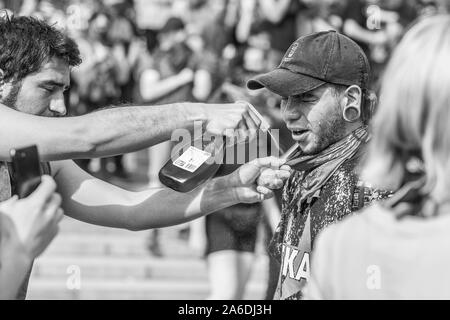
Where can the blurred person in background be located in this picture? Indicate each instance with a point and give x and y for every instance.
(4, 8)
(286, 20)
(27, 226)
(377, 25)
(280, 17)
(10, 5)
(399, 248)
(122, 33)
(228, 240)
(331, 14)
(200, 15)
(166, 76)
(428, 8)
(145, 78)
(100, 78)
(52, 12)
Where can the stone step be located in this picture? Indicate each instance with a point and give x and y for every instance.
(112, 245)
(132, 268)
(90, 244)
(156, 289)
(68, 225)
(119, 243)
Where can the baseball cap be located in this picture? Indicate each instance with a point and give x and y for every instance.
(313, 60)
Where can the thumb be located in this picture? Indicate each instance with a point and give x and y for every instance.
(269, 162)
(249, 172)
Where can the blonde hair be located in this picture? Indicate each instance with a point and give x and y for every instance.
(413, 116)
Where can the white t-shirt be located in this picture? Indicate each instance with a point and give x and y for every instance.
(372, 255)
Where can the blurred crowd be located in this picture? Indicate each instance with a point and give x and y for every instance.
(166, 51)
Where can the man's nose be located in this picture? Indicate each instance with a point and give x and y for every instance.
(290, 111)
(58, 106)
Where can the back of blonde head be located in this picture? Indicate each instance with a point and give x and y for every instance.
(414, 111)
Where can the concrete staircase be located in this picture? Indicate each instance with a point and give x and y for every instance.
(90, 262)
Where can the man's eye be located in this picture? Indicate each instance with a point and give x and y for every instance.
(48, 89)
(309, 98)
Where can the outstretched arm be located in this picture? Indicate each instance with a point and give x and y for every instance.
(94, 201)
(153, 88)
(352, 29)
(113, 131)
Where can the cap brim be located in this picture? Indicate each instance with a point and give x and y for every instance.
(284, 82)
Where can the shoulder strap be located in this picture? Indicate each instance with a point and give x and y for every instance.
(358, 197)
(5, 182)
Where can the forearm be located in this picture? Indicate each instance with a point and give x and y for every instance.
(356, 32)
(14, 266)
(103, 133)
(56, 138)
(163, 87)
(127, 129)
(154, 208)
(95, 201)
(177, 208)
(245, 21)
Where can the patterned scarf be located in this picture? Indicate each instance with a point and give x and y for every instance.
(320, 167)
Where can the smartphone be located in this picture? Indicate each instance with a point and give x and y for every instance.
(26, 170)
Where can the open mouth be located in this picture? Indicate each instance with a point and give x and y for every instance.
(299, 132)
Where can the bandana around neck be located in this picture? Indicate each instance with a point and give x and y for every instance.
(320, 167)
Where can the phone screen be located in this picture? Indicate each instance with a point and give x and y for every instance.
(27, 170)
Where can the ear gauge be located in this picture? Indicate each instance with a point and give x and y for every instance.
(351, 113)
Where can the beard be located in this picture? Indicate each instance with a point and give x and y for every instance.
(329, 131)
(11, 99)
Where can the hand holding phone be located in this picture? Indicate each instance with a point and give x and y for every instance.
(27, 171)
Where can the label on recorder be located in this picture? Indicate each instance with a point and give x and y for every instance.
(192, 159)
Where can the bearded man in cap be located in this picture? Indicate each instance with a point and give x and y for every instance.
(323, 80)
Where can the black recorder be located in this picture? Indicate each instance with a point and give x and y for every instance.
(26, 170)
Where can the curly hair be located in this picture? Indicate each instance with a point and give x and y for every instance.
(26, 43)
